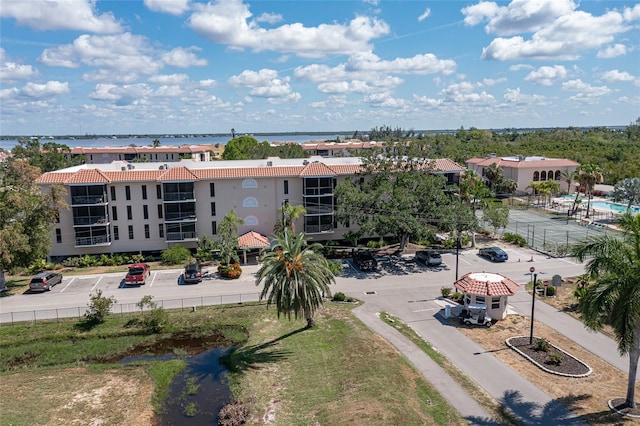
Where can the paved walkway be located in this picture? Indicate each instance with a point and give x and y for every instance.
(527, 402)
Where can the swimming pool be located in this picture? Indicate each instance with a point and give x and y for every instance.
(619, 208)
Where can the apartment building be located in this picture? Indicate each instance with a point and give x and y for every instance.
(148, 207)
(524, 170)
(163, 153)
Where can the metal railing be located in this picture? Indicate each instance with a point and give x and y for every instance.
(180, 236)
(190, 303)
(84, 199)
(93, 241)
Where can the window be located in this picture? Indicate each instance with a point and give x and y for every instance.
(113, 193)
(495, 303)
(144, 192)
(161, 230)
(159, 211)
(159, 192)
(286, 187)
(58, 235)
(251, 221)
(145, 211)
(212, 189)
(536, 176)
(131, 232)
(558, 175)
(249, 183)
(480, 300)
(214, 228)
(213, 209)
(250, 202)
(127, 192)
(116, 233)
(114, 212)
(146, 231)
(129, 213)
(543, 175)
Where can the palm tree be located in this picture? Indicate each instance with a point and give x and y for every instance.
(614, 296)
(296, 276)
(568, 177)
(588, 176)
(289, 214)
(493, 173)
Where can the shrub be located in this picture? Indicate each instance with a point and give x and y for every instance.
(39, 266)
(234, 414)
(335, 267)
(551, 290)
(339, 297)
(542, 345)
(514, 239)
(175, 255)
(445, 291)
(555, 358)
(232, 270)
(457, 296)
(99, 307)
(88, 261)
(71, 262)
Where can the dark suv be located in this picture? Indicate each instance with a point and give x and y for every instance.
(192, 273)
(365, 261)
(44, 281)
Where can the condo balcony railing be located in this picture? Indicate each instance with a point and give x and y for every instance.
(183, 216)
(318, 229)
(318, 191)
(179, 196)
(88, 199)
(93, 241)
(180, 236)
(90, 220)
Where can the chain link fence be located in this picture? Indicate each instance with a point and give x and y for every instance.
(191, 303)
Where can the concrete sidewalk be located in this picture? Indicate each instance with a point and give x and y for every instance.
(515, 393)
(443, 383)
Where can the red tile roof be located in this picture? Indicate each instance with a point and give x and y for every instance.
(253, 239)
(538, 163)
(317, 169)
(487, 284)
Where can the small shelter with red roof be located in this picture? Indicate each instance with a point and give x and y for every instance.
(487, 291)
(250, 241)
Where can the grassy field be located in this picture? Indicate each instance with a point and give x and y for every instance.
(338, 372)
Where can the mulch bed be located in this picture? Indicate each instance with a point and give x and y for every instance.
(569, 366)
(620, 405)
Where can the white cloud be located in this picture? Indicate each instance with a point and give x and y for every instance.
(264, 84)
(519, 16)
(269, 18)
(208, 83)
(612, 51)
(50, 88)
(615, 75)
(11, 71)
(585, 92)
(559, 30)
(425, 15)
(519, 67)
(514, 96)
(227, 22)
(122, 95)
(420, 64)
(182, 57)
(547, 76)
(169, 79)
(60, 15)
(172, 7)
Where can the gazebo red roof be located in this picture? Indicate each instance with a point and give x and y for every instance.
(487, 284)
(253, 239)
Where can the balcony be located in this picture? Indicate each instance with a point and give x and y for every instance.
(181, 236)
(316, 209)
(179, 196)
(179, 217)
(88, 199)
(101, 240)
(90, 220)
(308, 192)
(318, 229)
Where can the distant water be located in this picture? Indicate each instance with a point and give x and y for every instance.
(175, 141)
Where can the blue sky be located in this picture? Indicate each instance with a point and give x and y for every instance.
(182, 66)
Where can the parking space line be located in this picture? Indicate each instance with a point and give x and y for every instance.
(94, 286)
(68, 284)
(153, 279)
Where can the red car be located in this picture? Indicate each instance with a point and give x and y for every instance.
(137, 274)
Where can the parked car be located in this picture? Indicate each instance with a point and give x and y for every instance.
(137, 274)
(44, 281)
(429, 257)
(365, 261)
(478, 319)
(494, 254)
(192, 273)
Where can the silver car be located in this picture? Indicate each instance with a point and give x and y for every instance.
(44, 281)
(429, 257)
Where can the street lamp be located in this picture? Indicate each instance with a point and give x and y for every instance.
(533, 301)
(457, 253)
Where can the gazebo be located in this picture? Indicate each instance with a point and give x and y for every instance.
(250, 241)
(487, 291)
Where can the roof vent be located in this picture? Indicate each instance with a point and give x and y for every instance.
(123, 168)
(269, 163)
(491, 155)
(129, 166)
(161, 167)
(305, 162)
(166, 166)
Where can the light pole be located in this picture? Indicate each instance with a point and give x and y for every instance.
(533, 301)
(457, 253)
